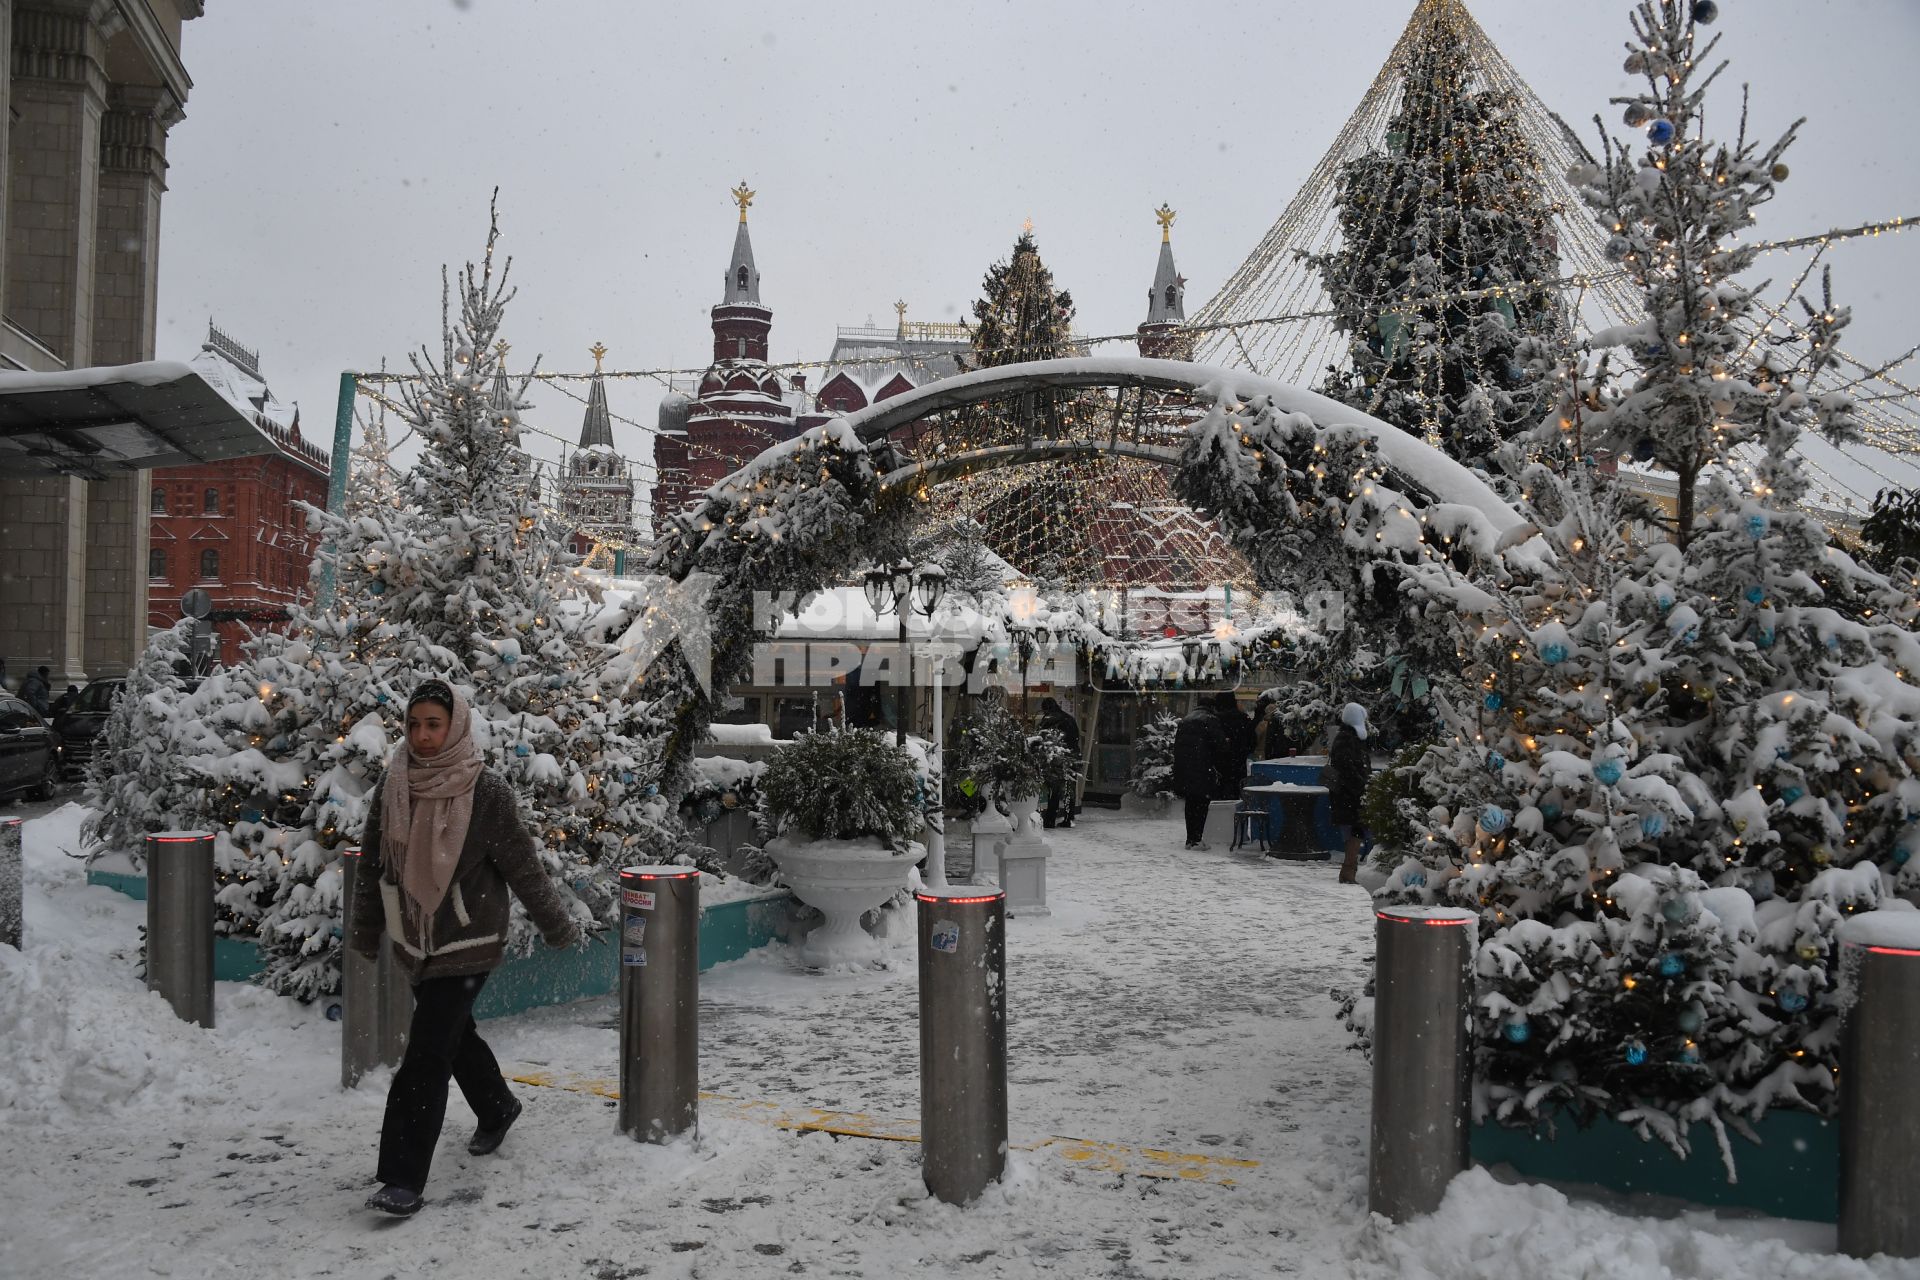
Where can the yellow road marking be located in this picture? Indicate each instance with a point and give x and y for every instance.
(1085, 1153)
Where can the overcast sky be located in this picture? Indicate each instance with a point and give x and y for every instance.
(334, 155)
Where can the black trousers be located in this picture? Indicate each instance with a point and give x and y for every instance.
(1197, 816)
(1059, 794)
(442, 1044)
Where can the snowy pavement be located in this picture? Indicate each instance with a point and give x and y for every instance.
(1173, 1001)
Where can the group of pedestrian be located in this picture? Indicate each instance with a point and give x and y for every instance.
(1213, 743)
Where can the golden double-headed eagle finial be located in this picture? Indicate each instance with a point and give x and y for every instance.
(1165, 216)
(598, 351)
(743, 196)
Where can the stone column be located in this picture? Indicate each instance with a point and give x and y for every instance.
(133, 173)
(43, 559)
(59, 98)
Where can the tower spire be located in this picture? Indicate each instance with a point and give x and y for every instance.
(596, 428)
(743, 278)
(1166, 301)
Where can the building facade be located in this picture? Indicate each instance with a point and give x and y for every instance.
(234, 529)
(93, 89)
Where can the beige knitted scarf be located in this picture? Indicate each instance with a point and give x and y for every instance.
(424, 813)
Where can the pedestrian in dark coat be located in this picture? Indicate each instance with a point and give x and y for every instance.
(1062, 785)
(1348, 770)
(443, 845)
(1236, 745)
(1197, 747)
(37, 688)
(65, 700)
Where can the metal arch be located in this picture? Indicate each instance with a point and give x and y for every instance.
(1435, 474)
(949, 466)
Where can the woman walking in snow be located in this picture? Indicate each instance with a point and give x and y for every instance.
(442, 846)
(1347, 773)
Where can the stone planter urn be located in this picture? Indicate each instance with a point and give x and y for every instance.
(1023, 812)
(843, 879)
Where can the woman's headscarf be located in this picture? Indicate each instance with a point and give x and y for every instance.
(1354, 716)
(427, 805)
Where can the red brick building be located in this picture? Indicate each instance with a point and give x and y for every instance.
(232, 528)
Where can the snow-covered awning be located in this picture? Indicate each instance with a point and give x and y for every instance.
(97, 421)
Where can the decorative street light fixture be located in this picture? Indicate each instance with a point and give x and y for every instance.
(921, 590)
(899, 590)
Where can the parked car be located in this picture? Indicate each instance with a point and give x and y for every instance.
(29, 751)
(80, 724)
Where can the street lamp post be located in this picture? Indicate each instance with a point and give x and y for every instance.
(899, 589)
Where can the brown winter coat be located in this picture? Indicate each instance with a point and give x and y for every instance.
(468, 934)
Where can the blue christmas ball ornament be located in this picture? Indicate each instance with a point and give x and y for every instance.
(509, 658)
(1688, 1054)
(1415, 878)
(1550, 811)
(1689, 1020)
(249, 815)
(1672, 966)
(1517, 1032)
(380, 698)
(626, 777)
(1757, 526)
(1609, 771)
(1618, 247)
(1493, 820)
(334, 1011)
(1660, 132)
(377, 587)
(1705, 11)
(1663, 598)
(1636, 1053)
(520, 749)
(1652, 351)
(1792, 794)
(1653, 825)
(1676, 909)
(652, 790)
(1690, 635)
(1901, 855)
(1493, 702)
(1553, 653)
(1792, 1001)
(1764, 637)
(1495, 761)
(1756, 593)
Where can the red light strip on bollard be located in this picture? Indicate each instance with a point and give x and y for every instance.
(1381, 915)
(1893, 951)
(659, 875)
(934, 897)
(178, 839)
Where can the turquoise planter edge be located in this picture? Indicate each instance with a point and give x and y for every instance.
(728, 931)
(1799, 1176)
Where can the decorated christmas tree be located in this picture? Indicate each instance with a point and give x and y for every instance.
(1444, 281)
(1683, 763)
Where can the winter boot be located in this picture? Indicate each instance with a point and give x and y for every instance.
(396, 1200)
(487, 1141)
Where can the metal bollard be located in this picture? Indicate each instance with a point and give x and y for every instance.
(13, 894)
(375, 997)
(1879, 1059)
(659, 1002)
(180, 922)
(963, 1041)
(1422, 1057)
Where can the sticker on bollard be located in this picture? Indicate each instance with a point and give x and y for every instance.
(636, 930)
(946, 937)
(635, 957)
(638, 899)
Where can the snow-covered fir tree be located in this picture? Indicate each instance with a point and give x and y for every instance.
(1153, 759)
(1684, 763)
(1019, 316)
(1444, 280)
(138, 781)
